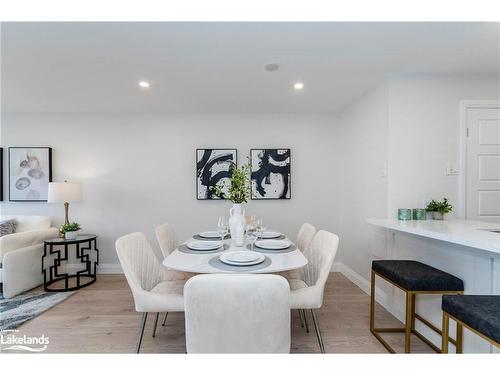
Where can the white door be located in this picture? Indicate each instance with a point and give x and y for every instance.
(483, 164)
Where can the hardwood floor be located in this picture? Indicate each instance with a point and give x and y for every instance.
(101, 319)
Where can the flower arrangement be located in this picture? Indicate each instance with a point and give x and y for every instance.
(239, 189)
(442, 207)
(439, 208)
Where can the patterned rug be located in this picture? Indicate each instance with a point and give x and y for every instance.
(19, 309)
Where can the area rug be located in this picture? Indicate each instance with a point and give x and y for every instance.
(19, 309)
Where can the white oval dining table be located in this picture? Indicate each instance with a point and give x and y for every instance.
(200, 262)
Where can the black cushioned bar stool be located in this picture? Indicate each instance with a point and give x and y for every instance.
(480, 314)
(413, 278)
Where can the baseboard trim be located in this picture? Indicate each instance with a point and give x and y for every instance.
(110, 268)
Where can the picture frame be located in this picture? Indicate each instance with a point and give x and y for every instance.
(30, 171)
(271, 173)
(212, 166)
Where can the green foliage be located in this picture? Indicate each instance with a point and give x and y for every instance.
(239, 190)
(439, 206)
(71, 227)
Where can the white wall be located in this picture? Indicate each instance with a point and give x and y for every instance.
(413, 124)
(424, 135)
(363, 131)
(138, 171)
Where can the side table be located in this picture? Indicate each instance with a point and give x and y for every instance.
(73, 269)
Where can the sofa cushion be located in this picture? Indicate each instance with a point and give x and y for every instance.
(7, 227)
(479, 312)
(416, 276)
(25, 223)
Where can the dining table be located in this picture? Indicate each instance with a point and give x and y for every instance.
(187, 260)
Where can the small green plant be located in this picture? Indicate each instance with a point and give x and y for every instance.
(239, 190)
(442, 207)
(71, 227)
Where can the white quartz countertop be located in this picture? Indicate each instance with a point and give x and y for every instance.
(474, 234)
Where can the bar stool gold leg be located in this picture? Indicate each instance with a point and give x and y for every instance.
(445, 329)
(413, 304)
(372, 303)
(460, 335)
(408, 320)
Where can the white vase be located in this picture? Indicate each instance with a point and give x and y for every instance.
(237, 224)
(71, 235)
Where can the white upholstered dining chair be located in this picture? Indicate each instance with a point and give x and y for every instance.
(154, 288)
(167, 238)
(305, 236)
(237, 313)
(307, 290)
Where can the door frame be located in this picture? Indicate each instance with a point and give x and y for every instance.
(465, 105)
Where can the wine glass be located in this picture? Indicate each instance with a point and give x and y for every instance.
(223, 227)
(260, 227)
(251, 220)
(252, 235)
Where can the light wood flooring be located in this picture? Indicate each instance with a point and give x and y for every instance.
(101, 319)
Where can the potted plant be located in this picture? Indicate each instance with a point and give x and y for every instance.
(70, 230)
(238, 193)
(439, 208)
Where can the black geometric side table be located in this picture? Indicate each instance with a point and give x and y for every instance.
(69, 264)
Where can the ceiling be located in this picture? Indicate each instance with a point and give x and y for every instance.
(219, 67)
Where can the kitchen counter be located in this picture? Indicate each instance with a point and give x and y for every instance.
(473, 234)
(469, 250)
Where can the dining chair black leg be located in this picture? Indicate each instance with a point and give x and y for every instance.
(141, 332)
(305, 320)
(300, 317)
(165, 319)
(156, 323)
(318, 331)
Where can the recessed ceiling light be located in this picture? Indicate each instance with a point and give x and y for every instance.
(272, 67)
(298, 85)
(144, 84)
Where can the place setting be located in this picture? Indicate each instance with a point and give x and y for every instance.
(240, 260)
(199, 247)
(262, 240)
(210, 235)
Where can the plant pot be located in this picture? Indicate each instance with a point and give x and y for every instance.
(437, 215)
(71, 235)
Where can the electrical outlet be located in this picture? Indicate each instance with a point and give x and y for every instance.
(452, 169)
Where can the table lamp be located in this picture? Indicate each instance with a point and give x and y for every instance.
(64, 192)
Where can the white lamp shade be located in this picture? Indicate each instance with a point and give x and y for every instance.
(60, 192)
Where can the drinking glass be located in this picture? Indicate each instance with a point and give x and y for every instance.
(252, 235)
(252, 220)
(223, 227)
(259, 224)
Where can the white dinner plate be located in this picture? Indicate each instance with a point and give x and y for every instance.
(242, 258)
(210, 234)
(204, 245)
(270, 234)
(273, 244)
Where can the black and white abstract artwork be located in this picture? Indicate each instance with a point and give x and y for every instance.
(270, 173)
(213, 167)
(30, 171)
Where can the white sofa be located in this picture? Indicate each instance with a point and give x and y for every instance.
(21, 253)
